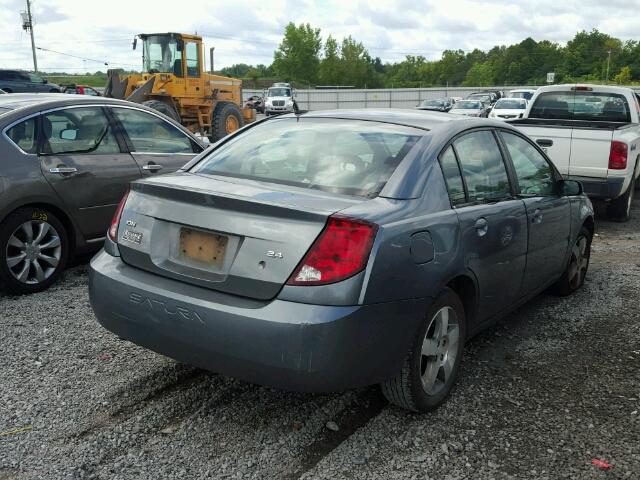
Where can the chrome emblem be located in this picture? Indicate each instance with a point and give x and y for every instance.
(131, 223)
(272, 254)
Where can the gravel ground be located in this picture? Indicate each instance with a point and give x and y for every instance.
(545, 391)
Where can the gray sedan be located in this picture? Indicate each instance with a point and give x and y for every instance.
(66, 161)
(335, 249)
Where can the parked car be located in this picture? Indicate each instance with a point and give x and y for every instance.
(80, 90)
(592, 134)
(471, 108)
(17, 81)
(438, 105)
(66, 161)
(487, 98)
(508, 109)
(526, 93)
(256, 102)
(335, 249)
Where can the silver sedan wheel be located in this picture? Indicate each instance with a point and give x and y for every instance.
(439, 350)
(33, 252)
(579, 262)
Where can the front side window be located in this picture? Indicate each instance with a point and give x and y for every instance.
(347, 157)
(193, 59)
(482, 167)
(78, 131)
(151, 134)
(535, 175)
(24, 135)
(451, 172)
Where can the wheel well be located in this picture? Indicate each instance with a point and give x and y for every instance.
(465, 288)
(62, 216)
(589, 225)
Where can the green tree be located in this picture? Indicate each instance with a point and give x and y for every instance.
(356, 66)
(329, 71)
(480, 75)
(297, 58)
(624, 77)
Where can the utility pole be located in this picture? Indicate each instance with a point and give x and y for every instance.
(27, 24)
(608, 62)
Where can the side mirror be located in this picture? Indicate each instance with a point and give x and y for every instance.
(569, 188)
(69, 134)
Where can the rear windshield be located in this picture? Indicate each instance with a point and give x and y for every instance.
(525, 95)
(581, 105)
(348, 157)
(468, 105)
(511, 104)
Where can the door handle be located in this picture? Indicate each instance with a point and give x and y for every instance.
(152, 167)
(544, 142)
(63, 170)
(537, 216)
(481, 226)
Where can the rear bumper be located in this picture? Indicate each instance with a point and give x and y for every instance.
(287, 345)
(601, 188)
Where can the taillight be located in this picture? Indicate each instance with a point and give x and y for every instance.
(618, 155)
(341, 251)
(115, 221)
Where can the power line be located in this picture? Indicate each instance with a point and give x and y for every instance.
(81, 58)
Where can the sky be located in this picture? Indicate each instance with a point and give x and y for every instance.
(249, 31)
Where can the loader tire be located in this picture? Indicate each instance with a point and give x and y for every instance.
(163, 108)
(227, 118)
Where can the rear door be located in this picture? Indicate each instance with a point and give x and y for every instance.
(549, 214)
(86, 163)
(155, 144)
(493, 222)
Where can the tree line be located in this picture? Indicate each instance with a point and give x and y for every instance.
(304, 59)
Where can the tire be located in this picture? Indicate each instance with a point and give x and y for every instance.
(574, 274)
(227, 118)
(40, 267)
(163, 108)
(407, 389)
(620, 208)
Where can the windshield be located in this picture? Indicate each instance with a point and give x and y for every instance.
(525, 95)
(511, 104)
(467, 105)
(581, 105)
(279, 92)
(432, 103)
(161, 55)
(341, 156)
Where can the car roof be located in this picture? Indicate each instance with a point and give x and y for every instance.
(422, 119)
(33, 102)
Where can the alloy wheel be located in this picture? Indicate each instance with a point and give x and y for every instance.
(439, 350)
(33, 252)
(579, 262)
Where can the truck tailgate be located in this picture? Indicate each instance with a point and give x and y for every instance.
(590, 152)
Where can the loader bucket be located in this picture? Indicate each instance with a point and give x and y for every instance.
(116, 88)
(139, 95)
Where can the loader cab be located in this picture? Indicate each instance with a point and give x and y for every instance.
(178, 55)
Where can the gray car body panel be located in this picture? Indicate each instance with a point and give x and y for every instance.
(422, 245)
(25, 180)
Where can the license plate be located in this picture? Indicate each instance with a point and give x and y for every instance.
(203, 247)
(131, 236)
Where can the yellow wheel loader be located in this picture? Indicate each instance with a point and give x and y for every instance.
(174, 83)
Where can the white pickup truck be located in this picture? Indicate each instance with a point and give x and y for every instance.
(592, 134)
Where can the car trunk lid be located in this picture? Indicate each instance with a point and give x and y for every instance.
(236, 236)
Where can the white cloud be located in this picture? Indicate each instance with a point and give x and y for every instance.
(248, 31)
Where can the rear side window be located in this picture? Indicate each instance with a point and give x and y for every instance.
(581, 105)
(24, 135)
(482, 167)
(348, 157)
(151, 134)
(452, 176)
